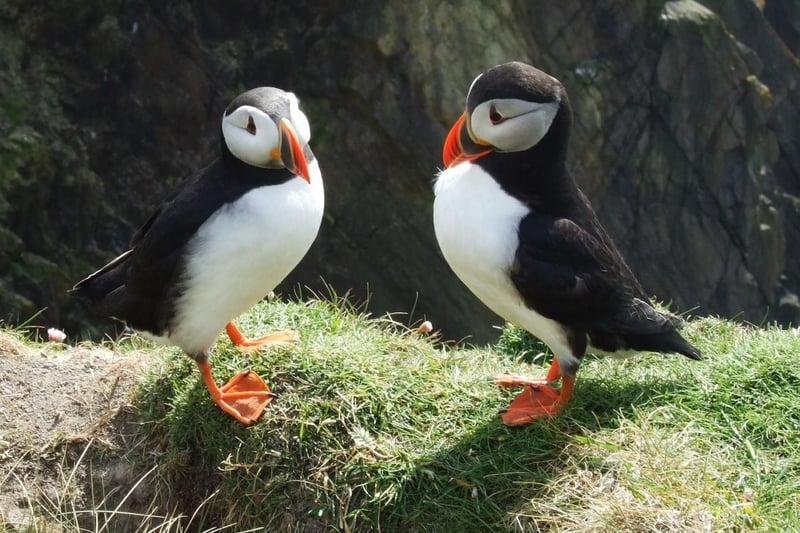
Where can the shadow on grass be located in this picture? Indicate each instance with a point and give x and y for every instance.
(481, 482)
(478, 483)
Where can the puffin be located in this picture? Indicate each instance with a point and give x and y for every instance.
(515, 228)
(220, 242)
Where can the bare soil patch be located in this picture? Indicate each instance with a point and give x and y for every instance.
(62, 442)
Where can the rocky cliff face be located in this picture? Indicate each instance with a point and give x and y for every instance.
(686, 135)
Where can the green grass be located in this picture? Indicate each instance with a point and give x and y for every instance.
(377, 427)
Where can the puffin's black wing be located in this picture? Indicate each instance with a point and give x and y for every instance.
(565, 273)
(580, 280)
(165, 203)
(136, 286)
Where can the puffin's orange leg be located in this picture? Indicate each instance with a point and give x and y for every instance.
(555, 371)
(250, 345)
(244, 397)
(538, 399)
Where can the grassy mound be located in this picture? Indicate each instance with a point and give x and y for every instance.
(375, 426)
(380, 427)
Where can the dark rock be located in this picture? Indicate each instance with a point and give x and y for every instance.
(685, 138)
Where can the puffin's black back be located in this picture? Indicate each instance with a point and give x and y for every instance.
(566, 267)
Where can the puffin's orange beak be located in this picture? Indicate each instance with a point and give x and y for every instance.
(291, 151)
(459, 146)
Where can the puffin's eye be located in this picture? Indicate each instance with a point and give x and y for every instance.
(495, 117)
(251, 126)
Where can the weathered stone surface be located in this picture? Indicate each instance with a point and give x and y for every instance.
(686, 135)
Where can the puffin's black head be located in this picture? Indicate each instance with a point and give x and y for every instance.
(510, 108)
(265, 128)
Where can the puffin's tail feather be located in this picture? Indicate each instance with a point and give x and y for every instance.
(97, 285)
(651, 330)
(664, 342)
(684, 347)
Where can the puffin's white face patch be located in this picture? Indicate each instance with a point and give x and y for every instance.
(252, 137)
(512, 125)
(299, 120)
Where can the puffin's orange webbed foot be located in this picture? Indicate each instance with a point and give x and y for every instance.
(278, 338)
(538, 399)
(534, 402)
(244, 396)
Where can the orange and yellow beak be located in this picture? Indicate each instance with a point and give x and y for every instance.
(459, 145)
(291, 153)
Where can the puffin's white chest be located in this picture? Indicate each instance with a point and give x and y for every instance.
(477, 226)
(241, 253)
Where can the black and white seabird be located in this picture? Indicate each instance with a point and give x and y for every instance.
(221, 241)
(514, 227)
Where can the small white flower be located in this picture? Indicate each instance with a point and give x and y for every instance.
(56, 335)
